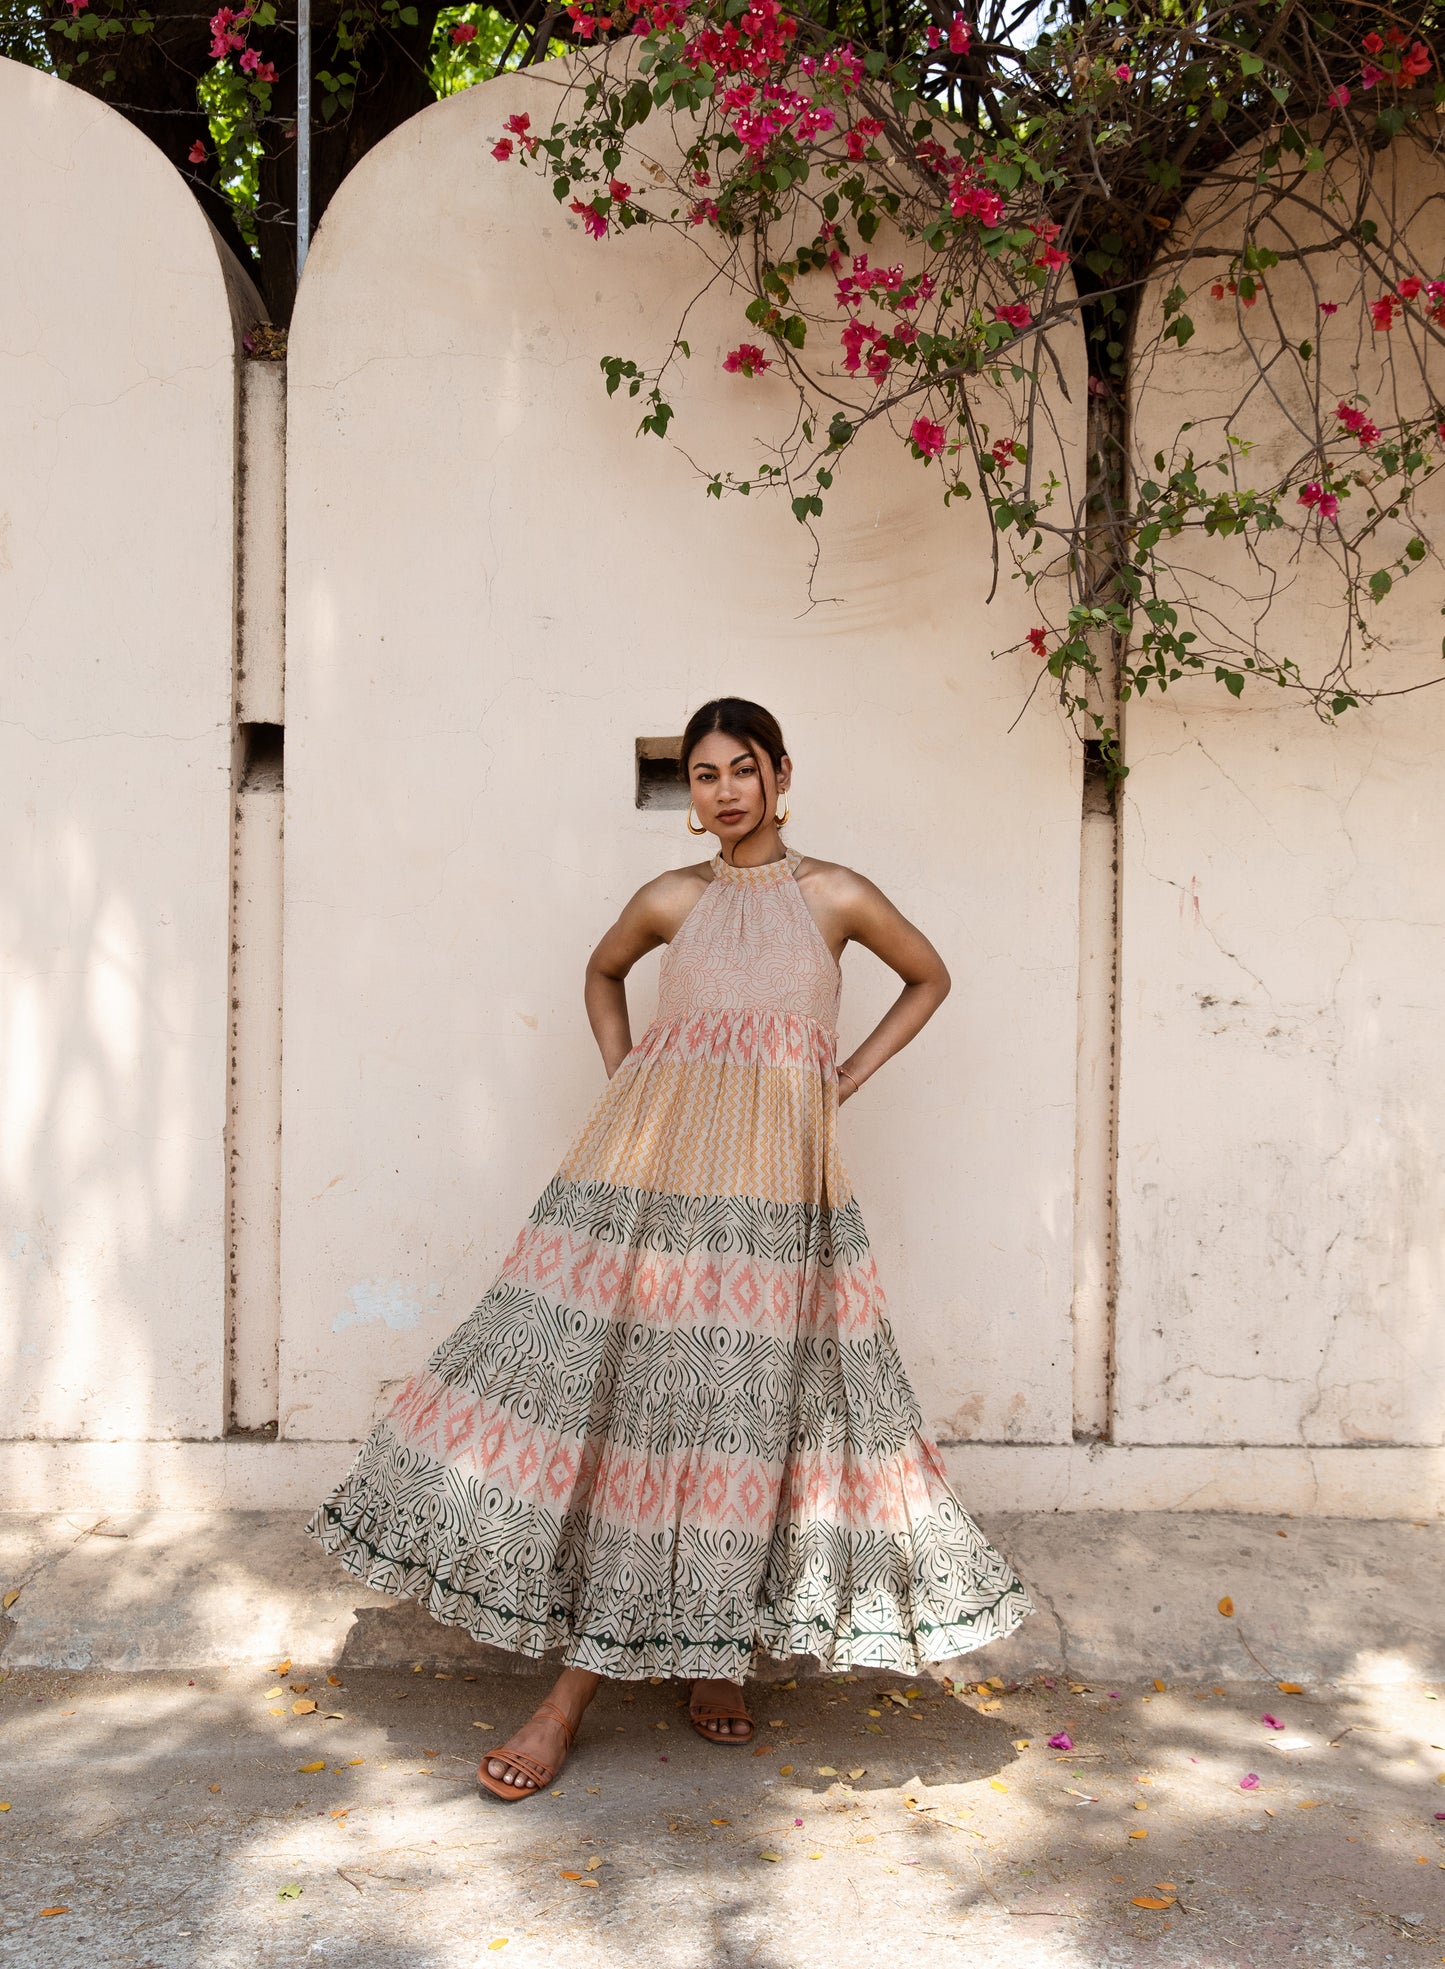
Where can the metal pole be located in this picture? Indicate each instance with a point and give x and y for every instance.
(303, 132)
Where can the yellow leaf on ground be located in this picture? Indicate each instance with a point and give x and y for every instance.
(282, 1667)
(1149, 1900)
(770, 1856)
(587, 1883)
(1163, 1886)
(4, 1807)
(273, 1695)
(500, 1942)
(213, 1787)
(356, 1760)
(11, 1597)
(719, 1821)
(277, 1711)
(1139, 1833)
(308, 1768)
(333, 1682)
(995, 1681)
(826, 1771)
(482, 1726)
(785, 1770)
(340, 1811)
(989, 1707)
(874, 1729)
(1308, 1804)
(1226, 1606)
(1290, 1688)
(777, 1723)
(55, 1910)
(335, 1716)
(789, 1685)
(303, 1708)
(1021, 1743)
(1160, 1686)
(569, 1876)
(594, 1863)
(997, 1784)
(861, 1772)
(299, 1688)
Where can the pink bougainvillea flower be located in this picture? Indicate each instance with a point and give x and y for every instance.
(1309, 495)
(1329, 506)
(197, 154)
(747, 359)
(617, 191)
(250, 61)
(1370, 76)
(1329, 307)
(1273, 1721)
(1123, 73)
(266, 72)
(75, 6)
(1017, 314)
(928, 436)
(1216, 291)
(934, 37)
(1338, 98)
(1382, 313)
(703, 212)
(1408, 289)
(1063, 1741)
(502, 149)
(519, 123)
(1052, 257)
(1249, 1782)
(463, 31)
(960, 36)
(595, 221)
(1372, 44)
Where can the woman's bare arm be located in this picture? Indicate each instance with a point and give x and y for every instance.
(850, 909)
(653, 916)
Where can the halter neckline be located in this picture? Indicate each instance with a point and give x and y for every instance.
(759, 875)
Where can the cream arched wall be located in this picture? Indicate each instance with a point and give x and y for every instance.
(118, 383)
(494, 588)
(1282, 1091)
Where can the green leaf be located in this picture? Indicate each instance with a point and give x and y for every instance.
(1416, 550)
(1381, 582)
(1249, 64)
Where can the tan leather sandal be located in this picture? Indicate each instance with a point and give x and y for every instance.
(541, 1774)
(718, 1714)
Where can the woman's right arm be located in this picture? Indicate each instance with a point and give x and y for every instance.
(651, 917)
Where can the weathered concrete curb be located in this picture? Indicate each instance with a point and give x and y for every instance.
(1346, 1601)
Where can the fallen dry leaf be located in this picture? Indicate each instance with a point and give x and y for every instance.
(861, 1772)
(1226, 1606)
(826, 1771)
(4, 1807)
(989, 1707)
(282, 1667)
(1149, 1900)
(303, 1708)
(277, 1711)
(272, 1695)
(290, 1892)
(763, 1750)
(55, 1910)
(482, 1726)
(775, 1857)
(11, 1597)
(1139, 1833)
(594, 1863)
(1290, 1688)
(997, 1784)
(1308, 1804)
(307, 1769)
(335, 1716)
(719, 1821)
(1160, 1686)
(299, 1688)
(333, 1682)
(500, 1942)
(569, 1876)
(785, 1770)
(213, 1787)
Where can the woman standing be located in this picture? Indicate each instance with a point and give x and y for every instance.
(677, 1427)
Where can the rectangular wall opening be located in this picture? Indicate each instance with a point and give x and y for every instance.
(658, 784)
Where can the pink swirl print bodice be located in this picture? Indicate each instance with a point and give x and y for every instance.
(750, 943)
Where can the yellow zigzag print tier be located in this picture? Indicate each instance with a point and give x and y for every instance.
(677, 1428)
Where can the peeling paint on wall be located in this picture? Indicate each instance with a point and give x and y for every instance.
(389, 1300)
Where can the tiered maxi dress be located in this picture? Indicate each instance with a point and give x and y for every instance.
(677, 1428)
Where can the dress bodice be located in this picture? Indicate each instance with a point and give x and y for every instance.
(750, 942)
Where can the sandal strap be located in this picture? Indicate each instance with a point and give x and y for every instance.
(551, 1709)
(518, 1760)
(720, 1716)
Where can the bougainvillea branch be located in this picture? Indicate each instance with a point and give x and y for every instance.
(1026, 172)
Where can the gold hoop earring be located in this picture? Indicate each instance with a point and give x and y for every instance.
(690, 828)
(781, 819)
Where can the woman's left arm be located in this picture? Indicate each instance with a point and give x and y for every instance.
(865, 915)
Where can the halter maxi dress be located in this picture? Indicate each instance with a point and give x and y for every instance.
(677, 1428)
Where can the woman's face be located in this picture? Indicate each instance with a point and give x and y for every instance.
(729, 791)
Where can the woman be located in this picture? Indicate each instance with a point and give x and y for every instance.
(677, 1427)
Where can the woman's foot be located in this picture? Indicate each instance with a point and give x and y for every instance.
(541, 1739)
(713, 1695)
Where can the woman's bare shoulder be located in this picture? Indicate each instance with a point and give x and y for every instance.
(835, 880)
(666, 899)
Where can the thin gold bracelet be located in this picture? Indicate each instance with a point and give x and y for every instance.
(857, 1084)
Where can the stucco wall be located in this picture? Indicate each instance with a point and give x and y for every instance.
(494, 589)
(1282, 1095)
(117, 539)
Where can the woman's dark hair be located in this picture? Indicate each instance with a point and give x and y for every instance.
(734, 717)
